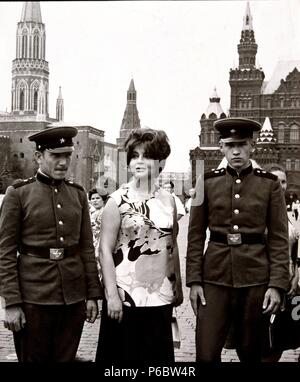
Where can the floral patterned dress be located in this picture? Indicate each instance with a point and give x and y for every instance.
(143, 252)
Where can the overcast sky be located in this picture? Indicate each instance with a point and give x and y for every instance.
(176, 52)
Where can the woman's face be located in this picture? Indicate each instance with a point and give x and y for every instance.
(141, 166)
(96, 201)
(282, 178)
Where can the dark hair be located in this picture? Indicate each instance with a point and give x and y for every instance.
(155, 142)
(93, 191)
(170, 183)
(270, 167)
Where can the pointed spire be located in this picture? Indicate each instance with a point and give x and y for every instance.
(60, 106)
(214, 106)
(214, 97)
(131, 118)
(266, 135)
(31, 12)
(59, 93)
(247, 21)
(247, 47)
(131, 86)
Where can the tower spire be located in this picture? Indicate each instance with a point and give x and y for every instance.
(247, 75)
(60, 106)
(247, 21)
(31, 12)
(131, 120)
(30, 71)
(247, 47)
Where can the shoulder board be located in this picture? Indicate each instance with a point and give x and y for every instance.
(214, 173)
(72, 184)
(264, 174)
(24, 182)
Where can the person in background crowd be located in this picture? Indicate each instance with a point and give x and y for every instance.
(169, 186)
(139, 260)
(287, 332)
(295, 208)
(97, 201)
(52, 286)
(189, 200)
(236, 281)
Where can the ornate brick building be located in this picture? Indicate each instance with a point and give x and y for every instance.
(274, 103)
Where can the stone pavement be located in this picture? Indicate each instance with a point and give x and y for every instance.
(186, 353)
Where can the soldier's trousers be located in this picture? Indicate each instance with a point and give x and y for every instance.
(51, 333)
(225, 306)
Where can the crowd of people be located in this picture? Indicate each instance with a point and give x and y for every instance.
(64, 250)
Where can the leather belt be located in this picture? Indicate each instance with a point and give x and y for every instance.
(49, 253)
(237, 238)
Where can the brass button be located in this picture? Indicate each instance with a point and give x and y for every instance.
(61, 238)
(238, 181)
(236, 211)
(237, 196)
(235, 227)
(59, 206)
(61, 222)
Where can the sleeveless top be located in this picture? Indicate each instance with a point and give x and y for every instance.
(143, 252)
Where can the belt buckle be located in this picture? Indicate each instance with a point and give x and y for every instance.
(56, 253)
(234, 238)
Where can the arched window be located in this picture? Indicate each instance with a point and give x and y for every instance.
(36, 46)
(294, 134)
(35, 100)
(24, 46)
(22, 99)
(212, 136)
(280, 134)
(207, 137)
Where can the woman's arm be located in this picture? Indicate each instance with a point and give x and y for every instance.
(109, 232)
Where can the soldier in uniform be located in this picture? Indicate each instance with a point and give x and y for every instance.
(48, 274)
(236, 282)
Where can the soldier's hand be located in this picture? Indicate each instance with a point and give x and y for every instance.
(271, 301)
(91, 310)
(196, 294)
(14, 318)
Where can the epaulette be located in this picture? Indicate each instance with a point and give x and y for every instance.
(24, 182)
(264, 174)
(214, 173)
(72, 184)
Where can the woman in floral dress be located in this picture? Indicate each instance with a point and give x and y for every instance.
(139, 259)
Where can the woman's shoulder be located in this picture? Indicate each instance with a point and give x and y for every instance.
(117, 195)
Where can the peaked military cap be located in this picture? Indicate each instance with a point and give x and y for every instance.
(236, 129)
(56, 138)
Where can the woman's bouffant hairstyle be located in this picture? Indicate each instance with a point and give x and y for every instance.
(155, 142)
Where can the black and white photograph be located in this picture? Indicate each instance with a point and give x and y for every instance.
(150, 184)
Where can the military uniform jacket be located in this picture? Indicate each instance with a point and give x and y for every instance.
(249, 203)
(43, 212)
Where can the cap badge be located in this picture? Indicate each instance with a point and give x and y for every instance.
(233, 131)
(62, 140)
